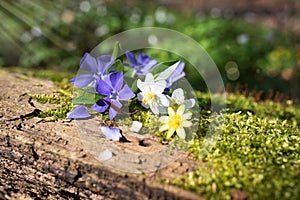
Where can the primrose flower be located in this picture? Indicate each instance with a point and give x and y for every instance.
(151, 93)
(96, 68)
(143, 65)
(176, 121)
(112, 87)
(176, 75)
(177, 98)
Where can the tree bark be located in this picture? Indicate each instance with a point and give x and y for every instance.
(46, 160)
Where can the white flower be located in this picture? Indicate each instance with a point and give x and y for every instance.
(151, 94)
(176, 121)
(178, 98)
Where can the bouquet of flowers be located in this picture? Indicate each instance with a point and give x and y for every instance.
(108, 83)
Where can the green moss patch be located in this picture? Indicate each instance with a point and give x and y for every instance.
(61, 104)
(257, 153)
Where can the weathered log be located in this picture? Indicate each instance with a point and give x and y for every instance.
(47, 160)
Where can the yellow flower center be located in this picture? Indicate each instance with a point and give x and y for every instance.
(148, 98)
(175, 121)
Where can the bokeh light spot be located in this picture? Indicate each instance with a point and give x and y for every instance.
(232, 70)
(85, 6)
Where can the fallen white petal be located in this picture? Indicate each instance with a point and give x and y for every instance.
(136, 126)
(105, 155)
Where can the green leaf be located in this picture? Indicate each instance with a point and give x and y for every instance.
(130, 72)
(134, 86)
(164, 75)
(87, 89)
(162, 66)
(116, 50)
(86, 96)
(117, 66)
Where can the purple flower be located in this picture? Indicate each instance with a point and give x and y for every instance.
(79, 112)
(114, 134)
(112, 87)
(143, 65)
(111, 133)
(96, 68)
(176, 75)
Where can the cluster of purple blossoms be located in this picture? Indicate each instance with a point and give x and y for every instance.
(142, 65)
(112, 89)
(110, 85)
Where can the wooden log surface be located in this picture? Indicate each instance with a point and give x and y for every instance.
(47, 160)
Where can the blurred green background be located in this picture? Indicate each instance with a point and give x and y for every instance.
(255, 44)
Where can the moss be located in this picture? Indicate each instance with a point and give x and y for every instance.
(61, 101)
(2, 71)
(258, 156)
(23, 77)
(46, 98)
(40, 73)
(59, 112)
(265, 109)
